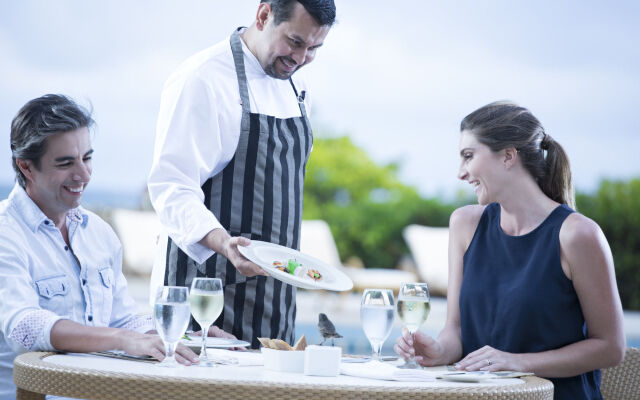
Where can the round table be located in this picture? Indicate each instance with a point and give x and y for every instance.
(35, 377)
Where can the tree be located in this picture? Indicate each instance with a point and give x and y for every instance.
(616, 208)
(365, 205)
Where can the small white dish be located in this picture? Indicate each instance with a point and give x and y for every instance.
(283, 360)
(322, 360)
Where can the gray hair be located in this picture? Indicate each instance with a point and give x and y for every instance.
(38, 120)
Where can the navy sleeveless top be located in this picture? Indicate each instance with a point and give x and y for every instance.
(516, 298)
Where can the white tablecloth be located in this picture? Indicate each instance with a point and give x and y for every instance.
(253, 373)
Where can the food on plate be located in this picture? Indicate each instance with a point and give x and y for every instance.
(279, 344)
(296, 268)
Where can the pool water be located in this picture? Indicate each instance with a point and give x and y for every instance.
(354, 340)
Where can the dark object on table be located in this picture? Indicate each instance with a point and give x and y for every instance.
(327, 329)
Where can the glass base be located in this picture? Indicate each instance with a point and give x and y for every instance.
(410, 364)
(169, 363)
(205, 363)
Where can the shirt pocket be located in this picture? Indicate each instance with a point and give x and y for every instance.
(104, 301)
(52, 286)
(106, 277)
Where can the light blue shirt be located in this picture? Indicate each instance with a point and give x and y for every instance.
(42, 280)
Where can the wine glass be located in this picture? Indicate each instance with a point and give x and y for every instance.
(376, 314)
(206, 300)
(413, 310)
(171, 316)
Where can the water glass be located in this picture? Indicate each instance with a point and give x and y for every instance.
(171, 316)
(206, 299)
(413, 310)
(376, 315)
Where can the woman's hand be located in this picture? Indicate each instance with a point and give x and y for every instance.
(490, 359)
(427, 351)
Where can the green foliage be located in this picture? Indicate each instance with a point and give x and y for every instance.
(365, 205)
(616, 208)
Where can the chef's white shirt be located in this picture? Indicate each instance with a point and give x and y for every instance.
(197, 135)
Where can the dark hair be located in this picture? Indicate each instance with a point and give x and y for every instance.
(38, 120)
(322, 11)
(502, 124)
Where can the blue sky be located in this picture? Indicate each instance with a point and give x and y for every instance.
(397, 78)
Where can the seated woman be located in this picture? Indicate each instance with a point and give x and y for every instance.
(531, 282)
(61, 281)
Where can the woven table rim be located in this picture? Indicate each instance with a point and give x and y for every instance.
(25, 364)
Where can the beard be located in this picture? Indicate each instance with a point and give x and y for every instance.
(271, 70)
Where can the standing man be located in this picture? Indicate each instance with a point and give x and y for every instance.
(233, 139)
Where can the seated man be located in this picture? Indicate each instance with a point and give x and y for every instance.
(61, 281)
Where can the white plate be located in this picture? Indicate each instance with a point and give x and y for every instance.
(265, 253)
(215, 342)
(473, 376)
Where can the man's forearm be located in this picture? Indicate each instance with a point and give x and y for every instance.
(71, 336)
(216, 240)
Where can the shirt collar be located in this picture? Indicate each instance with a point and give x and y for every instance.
(31, 214)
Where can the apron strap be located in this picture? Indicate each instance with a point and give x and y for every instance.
(300, 98)
(238, 59)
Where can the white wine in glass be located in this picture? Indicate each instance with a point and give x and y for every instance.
(206, 300)
(171, 316)
(376, 314)
(413, 309)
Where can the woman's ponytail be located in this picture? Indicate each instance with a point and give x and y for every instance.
(556, 182)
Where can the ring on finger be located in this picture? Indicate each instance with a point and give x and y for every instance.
(489, 362)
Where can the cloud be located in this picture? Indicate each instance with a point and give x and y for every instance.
(397, 79)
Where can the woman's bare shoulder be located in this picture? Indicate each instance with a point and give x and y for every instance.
(466, 216)
(579, 230)
(582, 242)
(463, 223)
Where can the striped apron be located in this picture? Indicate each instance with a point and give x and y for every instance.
(257, 195)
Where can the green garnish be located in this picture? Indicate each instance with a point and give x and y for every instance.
(186, 337)
(292, 265)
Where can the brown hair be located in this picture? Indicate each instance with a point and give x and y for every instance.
(502, 124)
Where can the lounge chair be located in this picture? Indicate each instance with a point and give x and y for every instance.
(429, 249)
(317, 241)
(138, 233)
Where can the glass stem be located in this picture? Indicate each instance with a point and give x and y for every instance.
(203, 347)
(412, 359)
(171, 351)
(377, 350)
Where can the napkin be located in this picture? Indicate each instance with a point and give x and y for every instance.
(240, 358)
(387, 372)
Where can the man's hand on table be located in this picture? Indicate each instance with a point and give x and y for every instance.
(141, 344)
